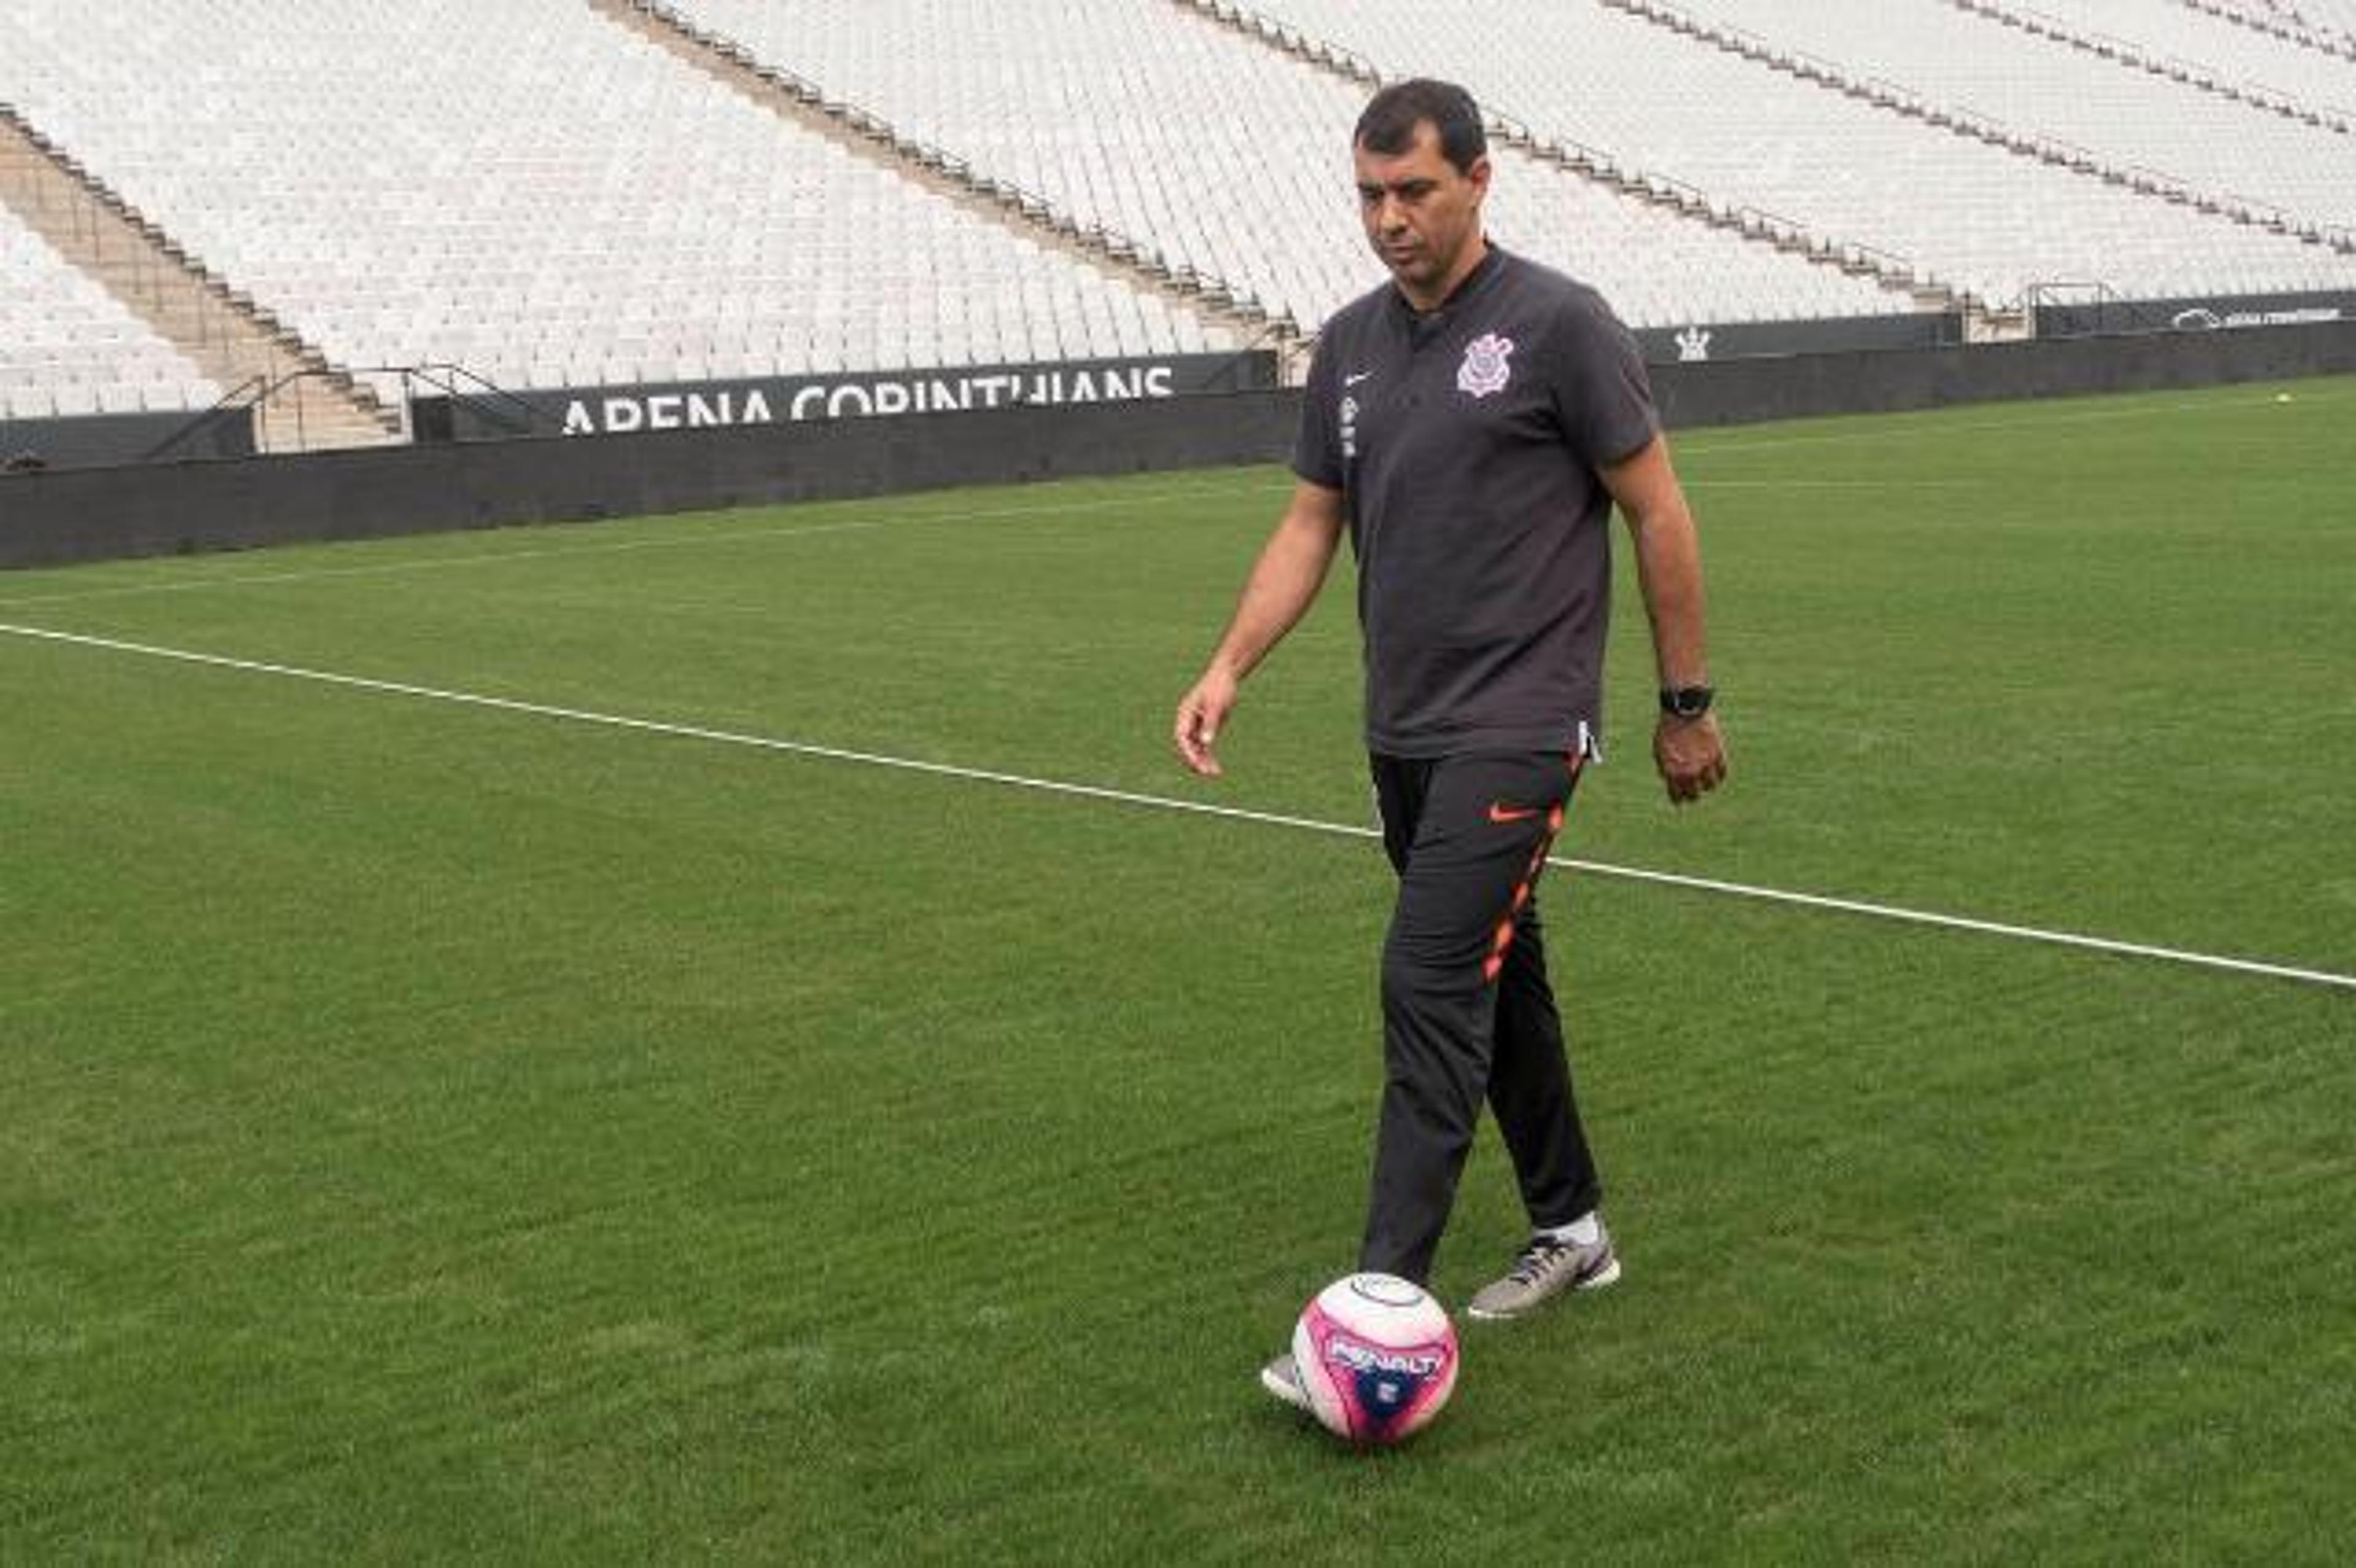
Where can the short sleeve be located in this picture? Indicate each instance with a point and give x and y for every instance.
(1317, 443)
(1602, 393)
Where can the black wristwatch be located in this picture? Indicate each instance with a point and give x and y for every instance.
(1686, 701)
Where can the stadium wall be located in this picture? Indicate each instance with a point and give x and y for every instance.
(105, 440)
(1748, 391)
(57, 516)
(95, 515)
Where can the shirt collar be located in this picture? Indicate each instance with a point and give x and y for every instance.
(1486, 268)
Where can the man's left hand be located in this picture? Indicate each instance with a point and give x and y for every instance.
(1691, 756)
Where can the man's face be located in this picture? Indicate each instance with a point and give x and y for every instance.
(1419, 211)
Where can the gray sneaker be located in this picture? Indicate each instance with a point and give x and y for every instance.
(1282, 1378)
(1545, 1270)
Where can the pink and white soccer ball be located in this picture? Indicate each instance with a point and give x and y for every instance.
(1377, 1355)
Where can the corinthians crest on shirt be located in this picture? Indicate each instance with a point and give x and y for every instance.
(1486, 368)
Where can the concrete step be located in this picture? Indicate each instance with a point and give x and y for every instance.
(301, 401)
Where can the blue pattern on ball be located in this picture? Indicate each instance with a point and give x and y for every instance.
(1384, 1395)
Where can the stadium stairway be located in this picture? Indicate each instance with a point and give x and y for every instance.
(871, 136)
(1927, 291)
(300, 402)
(1964, 123)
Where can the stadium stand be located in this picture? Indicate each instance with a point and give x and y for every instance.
(541, 196)
(563, 193)
(2330, 24)
(1998, 219)
(2231, 39)
(2121, 120)
(1221, 156)
(68, 348)
(2207, 78)
(243, 355)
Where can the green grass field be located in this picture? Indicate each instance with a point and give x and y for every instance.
(435, 1132)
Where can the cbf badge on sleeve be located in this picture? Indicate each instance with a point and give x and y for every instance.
(1485, 369)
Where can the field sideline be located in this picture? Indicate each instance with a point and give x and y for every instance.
(530, 1084)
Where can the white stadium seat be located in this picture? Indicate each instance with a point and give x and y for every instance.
(61, 329)
(2122, 117)
(1219, 154)
(1996, 221)
(2184, 32)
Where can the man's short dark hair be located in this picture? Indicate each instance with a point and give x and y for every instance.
(1387, 124)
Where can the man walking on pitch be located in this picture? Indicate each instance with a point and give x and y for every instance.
(1471, 423)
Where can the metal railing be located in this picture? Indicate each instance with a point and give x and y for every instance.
(266, 398)
(494, 404)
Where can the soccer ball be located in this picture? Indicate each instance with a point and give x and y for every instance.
(1378, 1356)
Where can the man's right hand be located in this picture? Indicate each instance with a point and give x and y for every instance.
(1200, 713)
(1283, 580)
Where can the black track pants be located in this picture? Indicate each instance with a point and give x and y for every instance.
(1467, 1012)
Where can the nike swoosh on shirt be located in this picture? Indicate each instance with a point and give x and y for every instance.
(1500, 811)
(1353, 381)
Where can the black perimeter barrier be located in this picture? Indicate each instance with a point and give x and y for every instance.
(63, 516)
(373, 492)
(108, 440)
(1748, 391)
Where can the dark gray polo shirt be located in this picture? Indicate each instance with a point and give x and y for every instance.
(1465, 443)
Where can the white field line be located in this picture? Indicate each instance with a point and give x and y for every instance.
(1161, 803)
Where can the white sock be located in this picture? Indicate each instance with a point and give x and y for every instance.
(1585, 1230)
